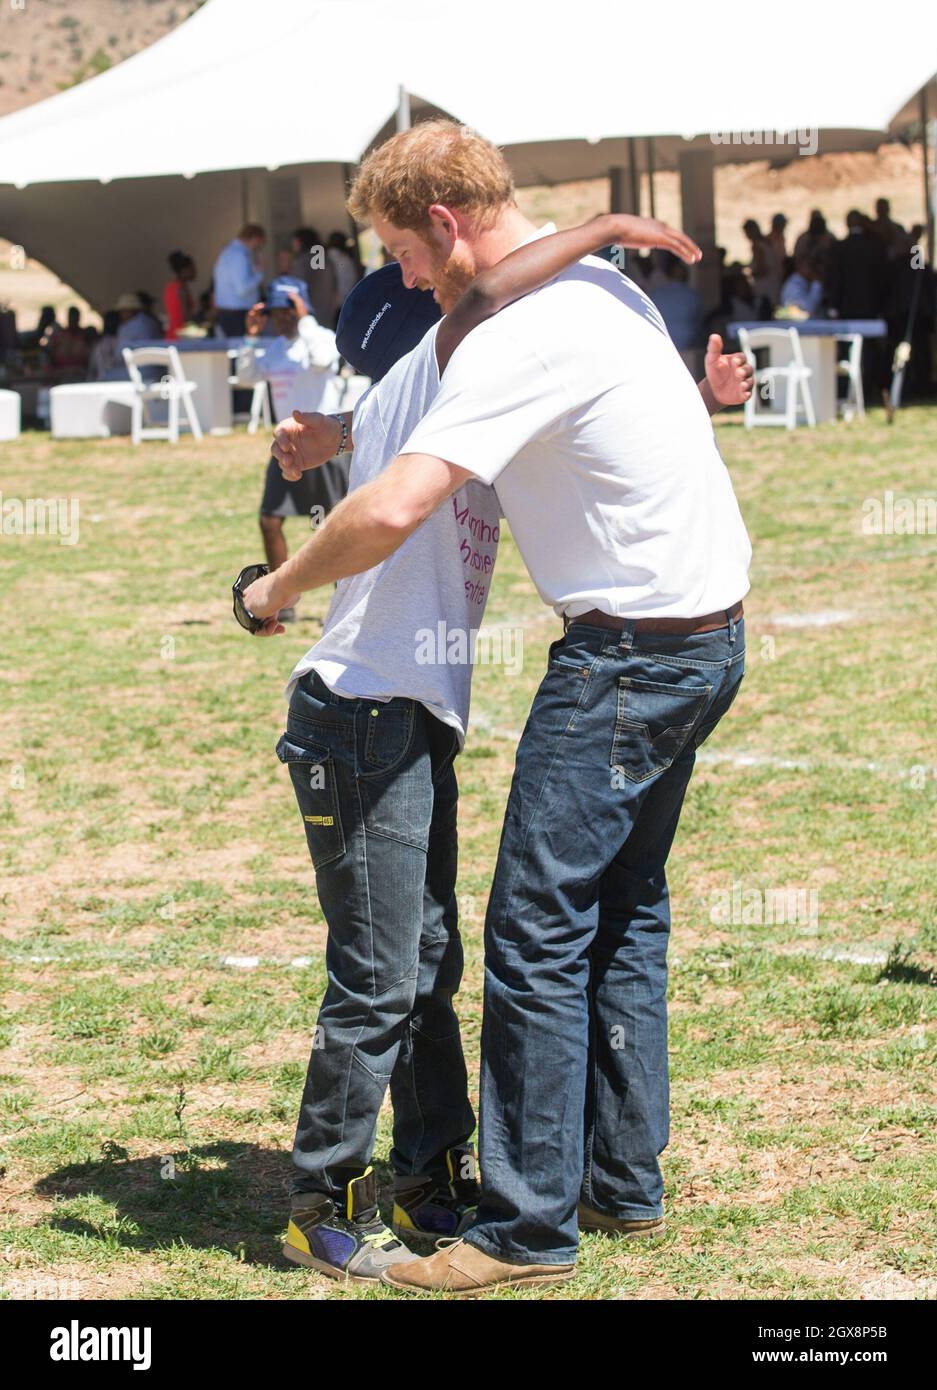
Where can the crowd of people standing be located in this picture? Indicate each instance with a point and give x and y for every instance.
(325, 271)
(876, 271)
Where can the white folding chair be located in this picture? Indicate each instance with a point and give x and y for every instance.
(851, 368)
(171, 388)
(260, 398)
(787, 366)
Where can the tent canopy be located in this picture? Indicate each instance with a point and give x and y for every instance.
(248, 110)
(239, 86)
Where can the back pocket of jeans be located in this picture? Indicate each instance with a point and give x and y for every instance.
(313, 774)
(653, 724)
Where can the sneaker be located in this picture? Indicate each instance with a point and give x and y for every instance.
(351, 1243)
(438, 1206)
(592, 1220)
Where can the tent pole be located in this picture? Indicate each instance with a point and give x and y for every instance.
(403, 108)
(352, 225)
(635, 176)
(928, 191)
(649, 156)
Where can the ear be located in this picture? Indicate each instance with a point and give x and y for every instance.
(445, 222)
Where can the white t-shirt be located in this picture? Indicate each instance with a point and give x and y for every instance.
(408, 626)
(575, 401)
(301, 370)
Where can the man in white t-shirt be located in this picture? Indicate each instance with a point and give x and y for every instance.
(575, 401)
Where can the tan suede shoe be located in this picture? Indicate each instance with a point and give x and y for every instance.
(466, 1271)
(591, 1220)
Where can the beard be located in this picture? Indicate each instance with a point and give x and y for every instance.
(452, 274)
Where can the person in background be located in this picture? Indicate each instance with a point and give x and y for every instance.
(344, 270)
(858, 287)
(105, 362)
(300, 364)
(719, 317)
(236, 278)
(817, 242)
(910, 285)
(654, 272)
(310, 263)
(149, 307)
(204, 314)
(136, 325)
(777, 242)
(7, 331)
(68, 346)
(681, 307)
(859, 271)
(177, 296)
(802, 289)
(45, 328)
(765, 271)
(891, 234)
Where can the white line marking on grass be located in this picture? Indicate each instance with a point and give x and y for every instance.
(824, 617)
(870, 956)
(140, 958)
(252, 962)
(481, 724)
(813, 764)
(853, 955)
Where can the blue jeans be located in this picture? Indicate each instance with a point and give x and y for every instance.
(377, 791)
(574, 1082)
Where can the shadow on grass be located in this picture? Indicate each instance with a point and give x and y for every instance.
(902, 969)
(212, 1196)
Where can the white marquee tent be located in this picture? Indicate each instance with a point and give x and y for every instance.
(262, 111)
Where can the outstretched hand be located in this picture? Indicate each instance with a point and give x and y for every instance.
(730, 375)
(646, 233)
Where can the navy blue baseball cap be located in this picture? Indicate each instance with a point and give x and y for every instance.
(278, 292)
(381, 321)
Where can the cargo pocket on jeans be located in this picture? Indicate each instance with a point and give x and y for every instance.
(313, 774)
(653, 724)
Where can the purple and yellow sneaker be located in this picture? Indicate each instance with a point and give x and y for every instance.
(351, 1243)
(437, 1206)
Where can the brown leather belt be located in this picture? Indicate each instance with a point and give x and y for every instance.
(676, 627)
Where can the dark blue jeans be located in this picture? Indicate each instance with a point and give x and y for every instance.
(574, 1082)
(377, 791)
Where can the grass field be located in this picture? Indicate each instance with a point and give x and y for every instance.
(148, 835)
